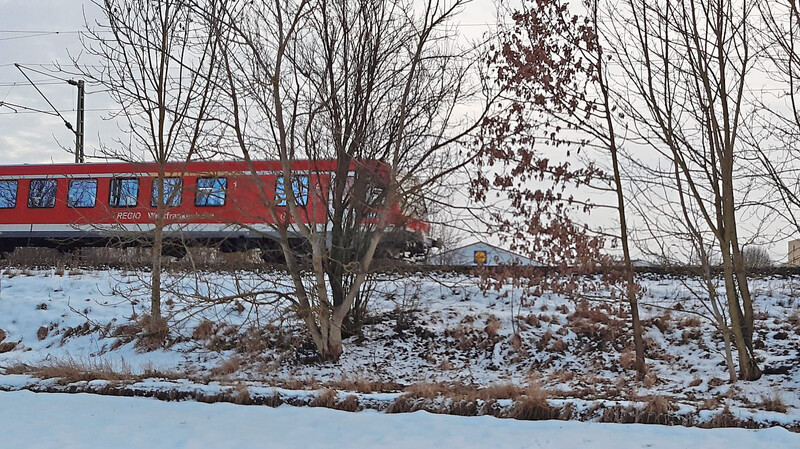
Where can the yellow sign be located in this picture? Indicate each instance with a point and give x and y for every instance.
(480, 257)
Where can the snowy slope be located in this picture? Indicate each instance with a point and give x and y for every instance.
(437, 328)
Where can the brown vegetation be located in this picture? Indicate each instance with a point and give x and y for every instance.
(773, 403)
(203, 331)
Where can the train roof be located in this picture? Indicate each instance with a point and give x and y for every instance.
(151, 167)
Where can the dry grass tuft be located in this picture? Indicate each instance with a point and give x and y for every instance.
(3, 335)
(650, 379)
(401, 404)
(493, 325)
(560, 345)
(425, 390)
(42, 333)
(150, 371)
(203, 331)
(228, 366)
(325, 398)
(349, 404)
(541, 345)
(658, 405)
(774, 403)
(594, 323)
(69, 370)
(657, 410)
(154, 334)
(515, 342)
(533, 406)
(500, 391)
(446, 365)
(7, 346)
(794, 319)
(460, 392)
(627, 359)
(359, 386)
(689, 321)
(695, 382)
(711, 403)
(241, 394)
(716, 382)
(723, 419)
(294, 383)
(567, 412)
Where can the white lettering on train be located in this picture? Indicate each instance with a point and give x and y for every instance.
(129, 215)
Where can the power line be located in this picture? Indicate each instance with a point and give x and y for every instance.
(21, 84)
(66, 123)
(41, 73)
(39, 111)
(27, 36)
(39, 31)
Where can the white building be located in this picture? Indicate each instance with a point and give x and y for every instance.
(480, 254)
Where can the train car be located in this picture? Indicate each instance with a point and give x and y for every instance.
(232, 205)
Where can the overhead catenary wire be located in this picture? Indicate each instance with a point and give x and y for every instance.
(66, 122)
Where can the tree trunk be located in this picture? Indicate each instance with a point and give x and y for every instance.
(748, 370)
(157, 327)
(630, 285)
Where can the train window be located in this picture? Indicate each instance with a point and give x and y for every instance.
(42, 193)
(375, 196)
(299, 188)
(82, 193)
(124, 192)
(8, 194)
(170, 192)
(210, 191)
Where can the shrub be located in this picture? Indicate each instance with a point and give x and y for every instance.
(325, 398)
(228, 366)
(774, 403)
(627, 359)
(533, 406)
(650, 379)
(493, 325)
(241, 394)
(203, 331)
(723, 419)
(689, 321)
(446, 364)
(349, 404)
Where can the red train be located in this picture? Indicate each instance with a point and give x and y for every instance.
(220, 203)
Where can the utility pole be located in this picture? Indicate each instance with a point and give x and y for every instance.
(79, 156)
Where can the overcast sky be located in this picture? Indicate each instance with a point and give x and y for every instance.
(41, 33)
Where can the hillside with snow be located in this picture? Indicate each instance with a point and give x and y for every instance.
(435, 343)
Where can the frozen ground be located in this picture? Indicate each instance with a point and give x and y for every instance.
(434, 329)
(89, 421)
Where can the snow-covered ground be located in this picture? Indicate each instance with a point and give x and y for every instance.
(67, 421)
(424, 329)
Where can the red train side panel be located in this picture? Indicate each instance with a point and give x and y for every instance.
(73, 205)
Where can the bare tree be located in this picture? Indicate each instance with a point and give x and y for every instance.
(155, 61)
(676, 237)
(776, 137)
(686, 67)
(374, 87)
(552, 65)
